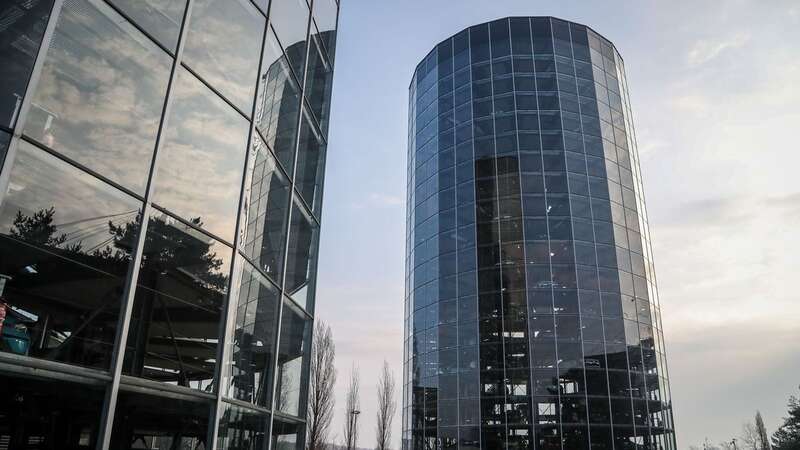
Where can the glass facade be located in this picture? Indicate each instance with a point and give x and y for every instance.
(531, 311)
(161, 177)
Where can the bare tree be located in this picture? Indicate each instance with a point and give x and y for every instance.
(749, 437)
(761, 431)
(321, 400)
(352, 409)
(387, 406)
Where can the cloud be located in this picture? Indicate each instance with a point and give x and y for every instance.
(706, 50)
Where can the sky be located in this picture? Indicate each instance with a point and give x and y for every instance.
(715, 94)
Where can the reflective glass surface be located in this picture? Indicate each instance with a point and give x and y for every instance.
(278, 107)
(325, 15)
(183, 281)
(66, 243)
(4, 139)
(289, 18)
(253, 344)
(23, 28)
(222, 46)
(101, 93)
(301, 262)
(205, 140)
(319, 79)
(310, 163)
(242, 429)
(161, 18)
(265, 211)
(292, 360)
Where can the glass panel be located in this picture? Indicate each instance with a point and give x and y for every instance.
(4, 140)
(319, 81)
(278, 103)
(265, 211)
(325, 14)
(242, 429)
(286, 436)
(65, 244)
(289, 18)
(182, 286)
(295, 335)
(42, 413)
(301, 263)
(154, 422)
(310, 164)
(205, 140)
(222, 46)
(160, 18)
(253, 340)
(20, 37)
(101, 94)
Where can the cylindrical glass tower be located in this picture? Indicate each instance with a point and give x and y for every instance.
(532, 316)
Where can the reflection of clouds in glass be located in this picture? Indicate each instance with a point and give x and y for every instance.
(161, 18)
(83, 205)
(202, 159)
(223, 45)
(101, 93)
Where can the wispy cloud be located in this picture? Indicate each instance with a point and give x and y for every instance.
(706, 50)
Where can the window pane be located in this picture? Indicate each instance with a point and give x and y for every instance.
(310, 164)
(253, 340)
(295, 335)
(47, 413)
(319, 80)
(265, 212)
(101, 94)
(4, 139)
(155, 422)
(278, 103)
(21, 35)
(325, 13)
(289, 18)
(160, 18)
(182, 286)
(302, 257)
(286, 435)
(66, 242)
(222, 47)
(242, 429)
(205, 141)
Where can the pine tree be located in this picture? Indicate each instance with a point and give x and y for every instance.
(787, 437)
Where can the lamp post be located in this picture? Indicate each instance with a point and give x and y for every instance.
(352, 437)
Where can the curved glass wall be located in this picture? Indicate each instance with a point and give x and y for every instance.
(161, 171)
(531, 311)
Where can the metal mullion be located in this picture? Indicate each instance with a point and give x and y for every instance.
(522, 222)
(547, 224)
(80, 167)
(278, 334)
(25, 106)
(591, 212)
(234, 285)
(123, 325)
(499, 237)
(215, 90)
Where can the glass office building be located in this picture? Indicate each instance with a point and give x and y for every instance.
(531, 311)
(160, 193)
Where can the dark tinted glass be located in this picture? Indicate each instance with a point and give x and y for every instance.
(265, 212)
(253, 341)
(176, 315)
(242, 429)
(310, 164)
(289, 18)
(21, 35)
(202, 160)
(4, 139)
(319, 81)
(47, 413)
(278, 104)
(222, 46)
(301, 263)
(161, 18)
(295, 335)
(285, 435)
(101, 94)
(155, 422)
(66, 244)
